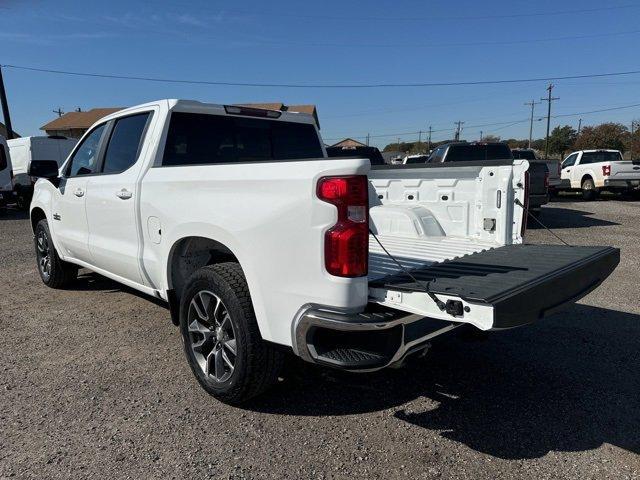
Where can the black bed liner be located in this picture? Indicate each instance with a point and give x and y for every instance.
(522, 282)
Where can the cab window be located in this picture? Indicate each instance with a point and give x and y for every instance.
(85, 158)
(570, 160)
(124, 144)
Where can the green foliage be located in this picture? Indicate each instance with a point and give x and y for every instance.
(607, 135)
(491, 138)
(562, 139)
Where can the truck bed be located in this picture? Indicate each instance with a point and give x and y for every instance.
(520, 283)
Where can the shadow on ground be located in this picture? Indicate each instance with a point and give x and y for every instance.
(550, 387)
(90, 281)
(558, 217)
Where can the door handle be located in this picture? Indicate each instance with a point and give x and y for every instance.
(79, 192)
(568, 170)
(124, 194)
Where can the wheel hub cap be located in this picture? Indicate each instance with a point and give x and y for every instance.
(212, 336)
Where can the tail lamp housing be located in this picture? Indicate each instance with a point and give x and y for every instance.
(346, 244)
(606, 170)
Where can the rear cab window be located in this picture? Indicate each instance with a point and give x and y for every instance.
(472, 153)
(200, 139)
(599, 157)
(524, 155)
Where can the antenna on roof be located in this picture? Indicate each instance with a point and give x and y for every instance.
(59, 111)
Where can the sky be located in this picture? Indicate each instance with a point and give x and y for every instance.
(331, 42)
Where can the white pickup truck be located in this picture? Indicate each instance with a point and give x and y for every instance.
(594, 170)
(260, 244)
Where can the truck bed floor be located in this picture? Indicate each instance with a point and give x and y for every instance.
(418, 252)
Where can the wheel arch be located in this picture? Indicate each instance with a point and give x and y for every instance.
(585, 176)
(189, 253)
(36, 215)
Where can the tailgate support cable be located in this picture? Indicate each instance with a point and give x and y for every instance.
(526, 210)
(441, 305)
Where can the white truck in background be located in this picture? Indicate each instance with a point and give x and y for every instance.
(592, 171)
(260, 244)
(24, 150)
(6, 175)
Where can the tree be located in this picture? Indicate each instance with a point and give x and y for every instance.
(562, 139)
(606, 135)
(491, 138)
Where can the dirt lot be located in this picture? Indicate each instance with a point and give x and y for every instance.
(93, 383)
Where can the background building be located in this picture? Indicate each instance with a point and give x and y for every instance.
(75, 124)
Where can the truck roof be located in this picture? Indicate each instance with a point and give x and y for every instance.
(597, 150)
(213, 108)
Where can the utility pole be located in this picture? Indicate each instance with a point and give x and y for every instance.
(532, 104)
(367, 139)
(458, 125)
(549, 99)
(419, 137)
(5, 108)
(634, 123)
(59, 112)
(398, 143)
(480, 135)
(579, 126)
(429, 148)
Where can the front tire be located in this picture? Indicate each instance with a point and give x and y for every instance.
(589, 191)
(221, 338)
(54, 272)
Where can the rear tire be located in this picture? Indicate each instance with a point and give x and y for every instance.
(54, 272)
(221, 338)
(589, 191)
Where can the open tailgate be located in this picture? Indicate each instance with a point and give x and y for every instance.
(499, 288)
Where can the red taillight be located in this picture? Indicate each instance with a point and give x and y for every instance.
(525, 215)
(606, 170)
(346, 244)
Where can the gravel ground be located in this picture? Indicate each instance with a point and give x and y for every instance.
(93, 383)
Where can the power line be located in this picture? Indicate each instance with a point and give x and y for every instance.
(503, 124)
(351, 18)
(312, 85)
(446, 45)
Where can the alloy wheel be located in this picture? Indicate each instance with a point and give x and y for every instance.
(44, 254)
(212, 336)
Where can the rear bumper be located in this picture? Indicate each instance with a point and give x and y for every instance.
(608, 182)
(495, 289)
(362, 341)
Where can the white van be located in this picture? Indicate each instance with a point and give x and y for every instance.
(25, 149)
(6, 175)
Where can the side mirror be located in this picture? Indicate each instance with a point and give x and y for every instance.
(44, 169)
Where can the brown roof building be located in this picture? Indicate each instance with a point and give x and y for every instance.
(348, 143)
(309, 109)
(75, 124)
